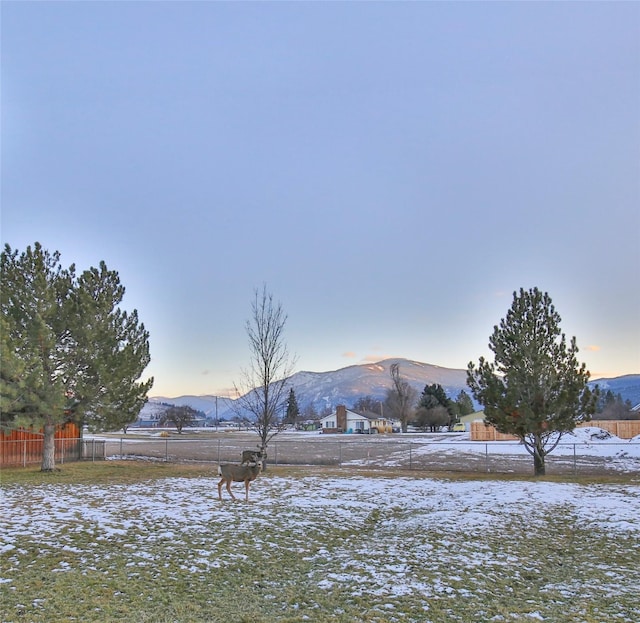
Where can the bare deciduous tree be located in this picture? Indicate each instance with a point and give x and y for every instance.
(401, 398)
(263, 391)
(179, 416)
(432, 418)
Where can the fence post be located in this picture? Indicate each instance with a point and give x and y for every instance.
(121, 447)
(339, 454)
(275, 443)
(62, 451)
(410, 455)
(166, 450)
(24, 452)
(486, 456)
(575, 466)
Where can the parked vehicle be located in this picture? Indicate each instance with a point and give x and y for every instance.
(458, 428)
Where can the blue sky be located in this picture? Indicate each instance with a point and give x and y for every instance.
(391, 171)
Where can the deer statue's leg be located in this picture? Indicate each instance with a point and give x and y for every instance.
(220, 489)
(247, 483)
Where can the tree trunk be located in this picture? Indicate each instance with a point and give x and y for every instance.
(538, 463)
(263, 451)
(49, 447)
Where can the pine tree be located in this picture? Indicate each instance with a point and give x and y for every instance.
(70, 351)
(293, 411)
(465, 404)
(536, 389)
(112, 351)
(433, 396)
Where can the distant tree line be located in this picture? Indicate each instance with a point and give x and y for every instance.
(611, 406)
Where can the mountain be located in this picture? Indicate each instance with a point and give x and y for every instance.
(211, 406)
(628, 386)
(326, 390)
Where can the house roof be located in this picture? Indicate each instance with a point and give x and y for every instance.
(367, 415)
(370, 415)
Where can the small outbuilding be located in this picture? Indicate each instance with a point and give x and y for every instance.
(342, 420)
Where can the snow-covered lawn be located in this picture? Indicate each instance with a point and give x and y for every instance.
(323, 547)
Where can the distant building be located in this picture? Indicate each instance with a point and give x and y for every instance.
(342, 420)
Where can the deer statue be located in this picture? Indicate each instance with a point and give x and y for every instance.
(229, 473)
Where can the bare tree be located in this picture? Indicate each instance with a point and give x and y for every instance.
(432, 418)
(263, 390)
(179, 416)
(401, 397)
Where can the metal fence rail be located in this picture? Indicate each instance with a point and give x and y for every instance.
(497, 457)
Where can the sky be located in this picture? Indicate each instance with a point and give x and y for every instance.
(391, 172)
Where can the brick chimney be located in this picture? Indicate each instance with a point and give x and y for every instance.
(341, 417)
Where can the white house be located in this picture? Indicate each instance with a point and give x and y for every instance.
(344, 421)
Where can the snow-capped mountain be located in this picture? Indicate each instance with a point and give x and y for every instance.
(347, 385)
(326, 390)
(628, 386)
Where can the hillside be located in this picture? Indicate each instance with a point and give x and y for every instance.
(345, 386)
(326, 390)
(628, 386)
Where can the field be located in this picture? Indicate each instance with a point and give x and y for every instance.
(150, 542)
(586, 451)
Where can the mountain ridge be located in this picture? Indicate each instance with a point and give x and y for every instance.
(325, 390)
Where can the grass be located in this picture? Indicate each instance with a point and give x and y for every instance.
(104, 472)
(286, 560)
(101, 472)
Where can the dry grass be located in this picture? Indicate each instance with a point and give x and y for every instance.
(266, 570)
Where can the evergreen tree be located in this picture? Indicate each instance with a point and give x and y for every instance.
(434, 408)
(69, 351)
(535, 389)
(293, 411)
(434, 395)
(112, 351)
(464, 404)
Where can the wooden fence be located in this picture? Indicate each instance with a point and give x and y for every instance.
(24, 447)
(625, 429)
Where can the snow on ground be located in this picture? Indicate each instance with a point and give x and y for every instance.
(583, 441)
(397, 536)
(585, 446)
(180, 504)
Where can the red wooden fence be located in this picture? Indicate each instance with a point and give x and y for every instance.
(24, 447)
